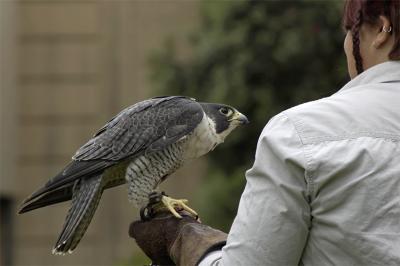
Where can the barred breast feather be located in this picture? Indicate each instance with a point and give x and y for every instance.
(146, 172)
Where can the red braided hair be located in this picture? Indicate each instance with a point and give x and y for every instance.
(357, 12)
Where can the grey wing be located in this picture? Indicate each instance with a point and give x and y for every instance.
(145, 127)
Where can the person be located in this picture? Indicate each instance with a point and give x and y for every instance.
(325, 185)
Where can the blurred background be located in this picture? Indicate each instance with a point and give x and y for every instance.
(67, 66)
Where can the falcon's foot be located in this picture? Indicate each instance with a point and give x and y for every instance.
(177, 204)
(160, 202)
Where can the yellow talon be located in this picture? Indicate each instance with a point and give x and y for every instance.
(171, 203)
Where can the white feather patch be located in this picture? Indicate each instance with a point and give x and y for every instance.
(203, 139)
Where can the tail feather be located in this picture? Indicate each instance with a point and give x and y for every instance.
(85, 199)
(59, 195)
(59, 188)
(79, 206)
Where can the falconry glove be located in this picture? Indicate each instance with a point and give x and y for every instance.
(168, 240)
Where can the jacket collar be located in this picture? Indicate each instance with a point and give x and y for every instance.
(385, 72)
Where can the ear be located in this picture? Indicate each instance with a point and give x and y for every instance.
(383, 36)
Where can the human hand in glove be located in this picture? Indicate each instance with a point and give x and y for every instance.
(168, 240)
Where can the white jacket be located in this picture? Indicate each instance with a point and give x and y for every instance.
(325, 185)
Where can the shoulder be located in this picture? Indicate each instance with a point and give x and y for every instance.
(346, 114)
(303, 120)
(315, 120)
(322, 119)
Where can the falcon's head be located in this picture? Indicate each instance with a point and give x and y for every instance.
(224, 118)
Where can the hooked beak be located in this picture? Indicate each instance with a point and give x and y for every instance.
(241, 118)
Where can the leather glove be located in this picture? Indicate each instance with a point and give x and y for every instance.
(168, 240)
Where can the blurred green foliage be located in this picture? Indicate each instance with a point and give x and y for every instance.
(261, 57)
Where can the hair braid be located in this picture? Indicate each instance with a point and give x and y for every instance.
(358, 12)
(355, 31)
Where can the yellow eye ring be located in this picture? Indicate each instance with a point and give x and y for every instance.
(225, 111)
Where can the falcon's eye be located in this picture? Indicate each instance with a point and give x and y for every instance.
(225, 111)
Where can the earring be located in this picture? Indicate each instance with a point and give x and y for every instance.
(387, 30)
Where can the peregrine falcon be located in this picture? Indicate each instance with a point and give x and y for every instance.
(141, 146)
